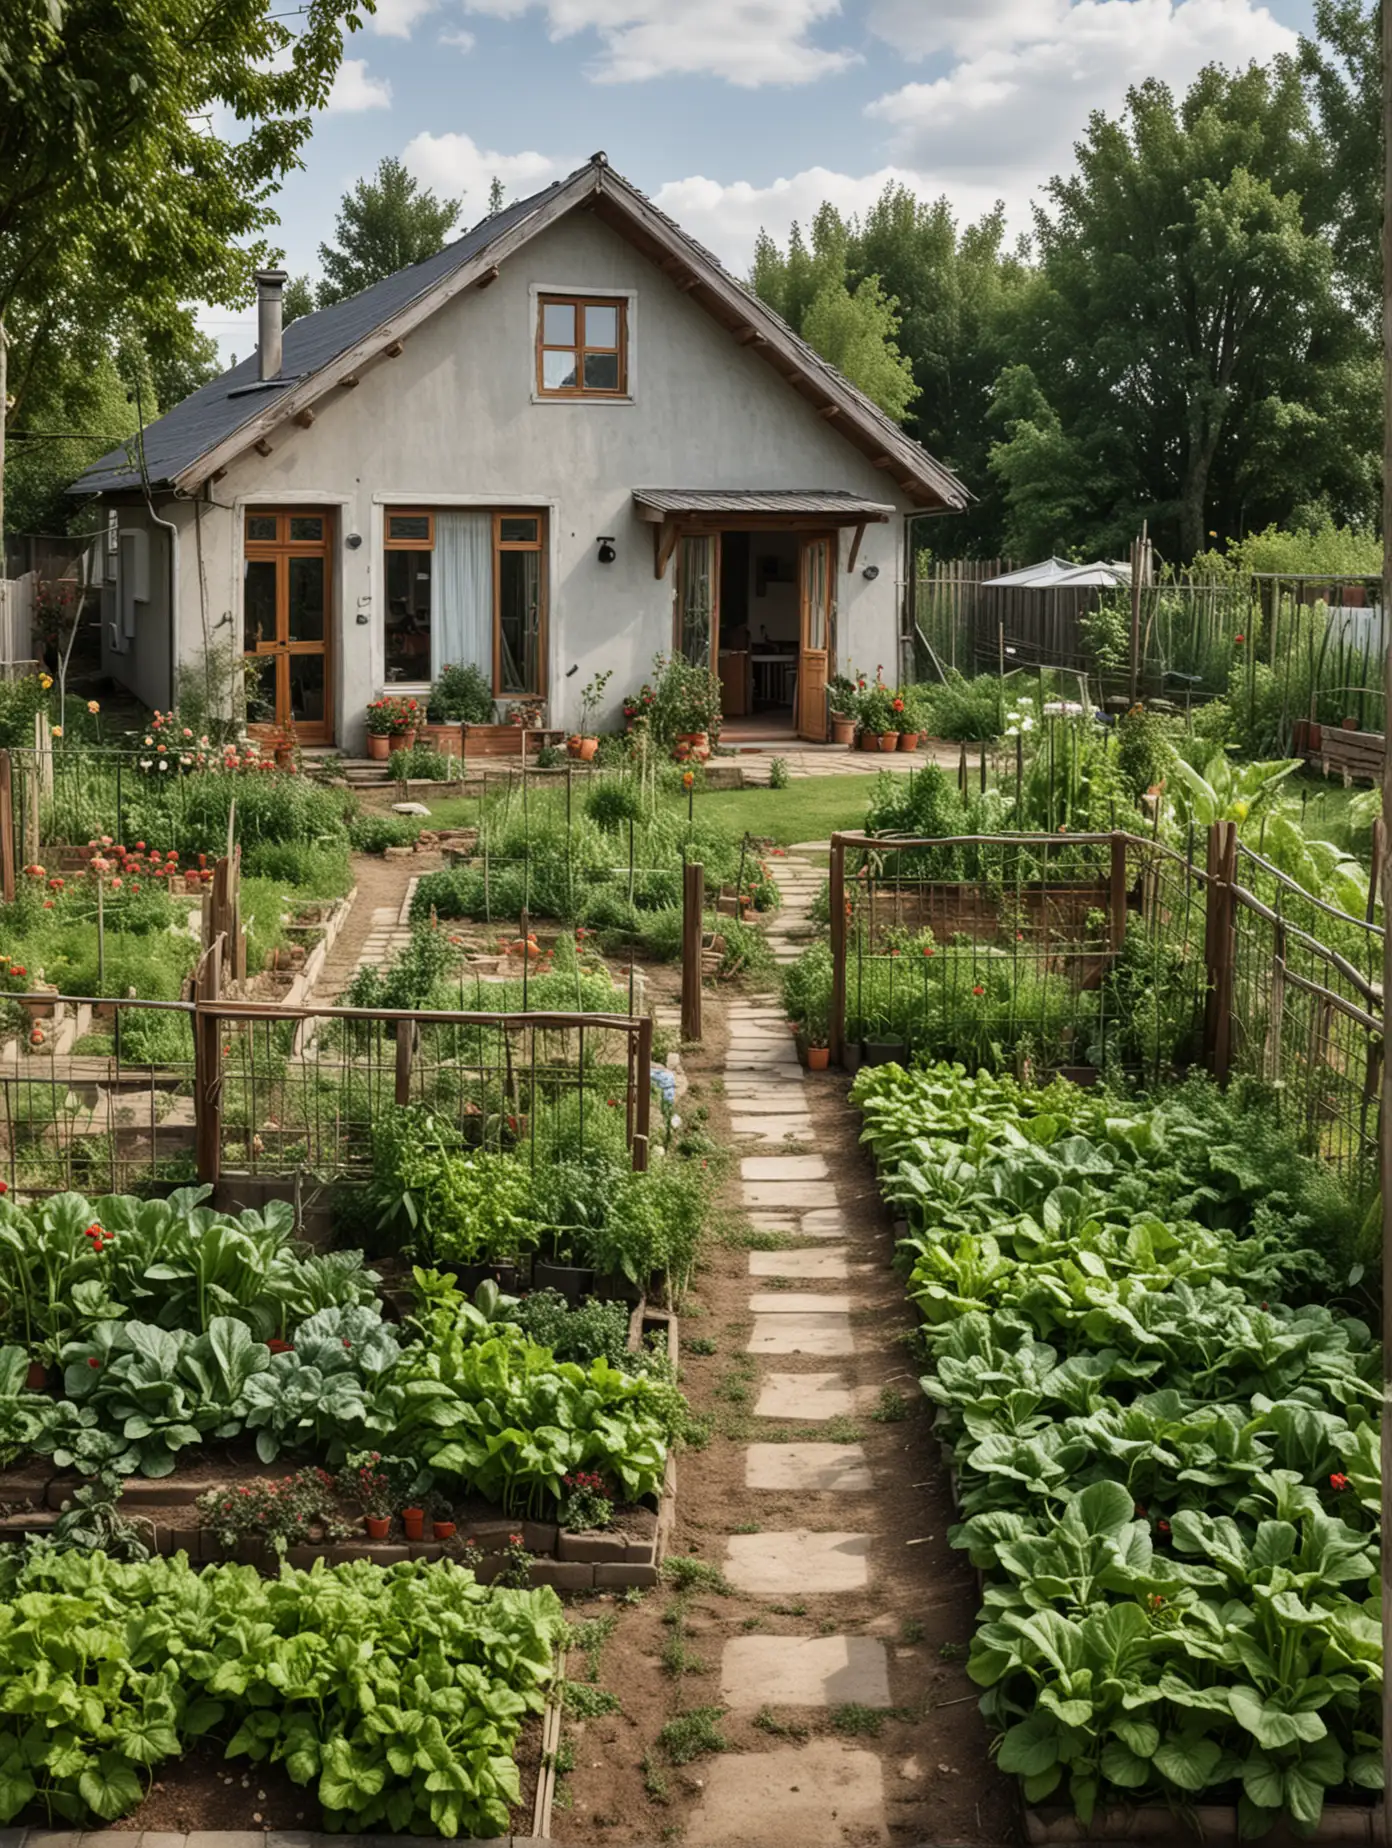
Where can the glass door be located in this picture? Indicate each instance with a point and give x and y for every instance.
(816, 585)
(698, 598)
(286, 604)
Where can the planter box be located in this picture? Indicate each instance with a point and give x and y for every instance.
(505, 740)
(1214, 1824)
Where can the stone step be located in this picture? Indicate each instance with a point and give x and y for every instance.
(772, 1799)
(838, 1469)
(793, 1561)
(810, 1671)
(784, 1168)
(826, 1337)
(819, 1265)
(811, 1396)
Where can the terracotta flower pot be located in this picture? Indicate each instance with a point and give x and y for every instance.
(817, 1058)
(378, 1526)
(697, 743)
(284, 756)
(442, 1530)
(403, 740)
(889, 741)
(413, 1520)
(842, 730)
(583, 748)
(379, 746)
(869, 741)
(908, 741)
(37, 1377)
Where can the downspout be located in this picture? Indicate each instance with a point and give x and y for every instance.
(173, 532)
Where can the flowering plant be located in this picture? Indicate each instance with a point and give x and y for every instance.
(586, 1503)
(392, 714)
(286, 1512)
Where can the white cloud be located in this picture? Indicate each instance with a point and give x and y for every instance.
(747, 42)
(353, 90)
(460, 40)
(397, 18)
(916, 28)
(455, 164)
(1014, 108)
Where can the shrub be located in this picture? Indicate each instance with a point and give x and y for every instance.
(373, 833)
(966, 710)
(613, 801)
(460, 691)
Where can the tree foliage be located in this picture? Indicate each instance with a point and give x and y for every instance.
(383, 224)
(850, 320)
(1189, 337)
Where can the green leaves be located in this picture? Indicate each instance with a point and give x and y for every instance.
(398, 1694)
(1171, 1489)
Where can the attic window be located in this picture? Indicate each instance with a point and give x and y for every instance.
(582, 346)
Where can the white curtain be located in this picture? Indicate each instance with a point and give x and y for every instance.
(464, 590)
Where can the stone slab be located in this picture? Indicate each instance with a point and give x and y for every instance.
(784, 1168)
(807, 1468)
(783, 1193)
(823, 1219)
(822, 1264)
(798, 1302)
(774, 1222)
(815, 1396)
(758, 1058)
(798, 1561)
(824, 1792)
(791, 1124)
(769, 1101)
(825, 1336)
(804, 1671)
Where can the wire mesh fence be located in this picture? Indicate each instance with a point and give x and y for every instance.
(127, 1096)
(1110, 952)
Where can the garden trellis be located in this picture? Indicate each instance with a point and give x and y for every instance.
(1073, 953)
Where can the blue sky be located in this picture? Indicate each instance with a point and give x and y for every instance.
(734, 114)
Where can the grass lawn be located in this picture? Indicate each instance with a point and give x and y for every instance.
(808, 810)
(1326, 805)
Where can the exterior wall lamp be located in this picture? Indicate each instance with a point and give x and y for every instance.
(607, 552)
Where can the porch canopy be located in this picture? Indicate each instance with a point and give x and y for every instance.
(670, 510)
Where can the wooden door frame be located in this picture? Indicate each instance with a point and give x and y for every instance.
(279, 552)
(806, 540)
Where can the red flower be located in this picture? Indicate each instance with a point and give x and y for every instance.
(1239, 639)
(928, 950)
(978, 989)
(92, 1361)
(1338, 1482)
(4, 1187)
(1162, 1527)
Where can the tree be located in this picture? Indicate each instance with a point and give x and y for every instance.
(497, 196)
(1190, 360)
(851, 323)
(1343, 72)
(383, 225)
(297, 299)
(116, 194)
(181, 359)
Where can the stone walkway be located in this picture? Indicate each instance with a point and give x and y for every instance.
(804, 1340)
(791, 929)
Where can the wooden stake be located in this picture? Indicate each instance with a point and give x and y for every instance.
(693, 897)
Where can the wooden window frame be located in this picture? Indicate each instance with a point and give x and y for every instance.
(537, 545)
(579, 390)
(389, 544)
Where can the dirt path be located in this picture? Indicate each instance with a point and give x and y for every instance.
(799, 1681)
(376, 926)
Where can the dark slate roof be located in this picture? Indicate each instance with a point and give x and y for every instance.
(217, 409)
(833, 502)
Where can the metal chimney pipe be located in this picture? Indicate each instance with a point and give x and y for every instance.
(270, 286)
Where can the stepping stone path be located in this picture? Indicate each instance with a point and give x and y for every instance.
(805, 1337)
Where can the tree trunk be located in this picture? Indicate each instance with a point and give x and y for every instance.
(3, 414)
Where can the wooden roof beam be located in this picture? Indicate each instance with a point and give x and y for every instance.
(664, 544)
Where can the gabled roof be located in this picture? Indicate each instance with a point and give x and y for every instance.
(327, 350)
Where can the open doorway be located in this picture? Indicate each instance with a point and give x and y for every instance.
(760, 633)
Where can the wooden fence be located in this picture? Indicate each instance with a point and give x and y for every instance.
(1088, 944)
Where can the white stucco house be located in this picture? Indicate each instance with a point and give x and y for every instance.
(567, 442)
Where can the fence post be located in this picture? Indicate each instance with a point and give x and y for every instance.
(1117, 901)
(7, 829)
(693, 898)
(1220, 929)
(405, 1052)
(207, 1062)
(836, 1023)
(642, 1099)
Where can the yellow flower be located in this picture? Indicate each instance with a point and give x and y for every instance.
(57, 731)
(45, 681)
(94, 707)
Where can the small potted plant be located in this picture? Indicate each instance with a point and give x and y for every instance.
(816, 1029)
(841, 693)
(586, 1504)
(458, 694)
(441, 1513)
(686, 710)
(391, 723)
(876, 717)
(372, 1489)
(915, 717)
(638, 705)
(584, 743)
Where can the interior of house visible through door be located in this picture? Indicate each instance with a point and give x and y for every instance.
(760, 606)
(287, 622)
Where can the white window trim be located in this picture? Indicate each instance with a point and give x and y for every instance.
(629, 296)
